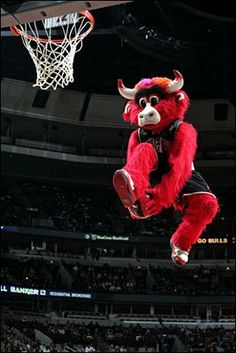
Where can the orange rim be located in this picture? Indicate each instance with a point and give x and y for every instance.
(17, 32)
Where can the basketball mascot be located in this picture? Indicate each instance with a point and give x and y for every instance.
(159, 172)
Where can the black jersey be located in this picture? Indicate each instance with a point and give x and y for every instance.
(160, 141)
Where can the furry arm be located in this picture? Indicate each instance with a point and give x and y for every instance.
(181, 154)
(133, 142)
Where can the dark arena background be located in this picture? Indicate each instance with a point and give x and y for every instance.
(78, 274)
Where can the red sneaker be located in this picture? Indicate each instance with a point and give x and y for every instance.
(178, 256)
(125, 188)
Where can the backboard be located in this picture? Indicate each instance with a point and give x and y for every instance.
(29, 11)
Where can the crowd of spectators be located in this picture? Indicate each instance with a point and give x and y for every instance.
(66, 208)
(93, 337)
(77, 276)
(19, 336)
(11, 342)
(208, 340)
(34, 273)
(62, 334)
(12, 210)
(137, 336)
(115, 338)
(75, 209)
(101, 278)
(197, 281)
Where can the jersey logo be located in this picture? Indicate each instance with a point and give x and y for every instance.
(159, 143)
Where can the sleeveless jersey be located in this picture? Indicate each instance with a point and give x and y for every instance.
(161, 141)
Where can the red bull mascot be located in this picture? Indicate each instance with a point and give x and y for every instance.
(159, 171)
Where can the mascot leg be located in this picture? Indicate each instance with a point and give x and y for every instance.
(199, 210)
(131, 181)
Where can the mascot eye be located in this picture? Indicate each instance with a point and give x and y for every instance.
(142, 102)
(154, 100)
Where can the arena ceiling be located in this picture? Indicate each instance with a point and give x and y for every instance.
(145, 39)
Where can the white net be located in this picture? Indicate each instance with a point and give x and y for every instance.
(54, 58)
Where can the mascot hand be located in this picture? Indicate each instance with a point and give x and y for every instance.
(152, 205)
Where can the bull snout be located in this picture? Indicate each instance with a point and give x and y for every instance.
(149, 115)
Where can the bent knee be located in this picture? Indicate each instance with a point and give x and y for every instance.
(205, 206)
(210, 207)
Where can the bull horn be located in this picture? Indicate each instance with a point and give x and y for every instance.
(128, 93)
(176, 84)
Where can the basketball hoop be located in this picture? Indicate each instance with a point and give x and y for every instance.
(54, 58)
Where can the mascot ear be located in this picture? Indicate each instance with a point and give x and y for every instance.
(182, 101)
(180, 96)
(126, 114)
